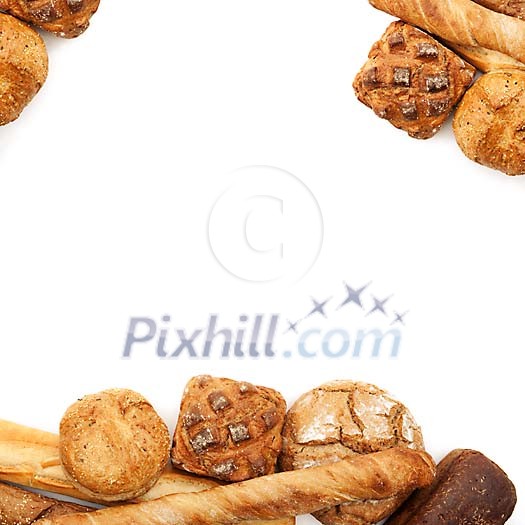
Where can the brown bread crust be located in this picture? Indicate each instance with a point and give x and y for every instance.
(227, 429)
(508, 7)
(489, 124)
(461, 22)
(21, 507)
(369, 477)
(469, 488)
(23, 67)
(113, 445)
(342, 419)
(412, 80)
(65, 18)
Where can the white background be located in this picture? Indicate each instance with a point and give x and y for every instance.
(109, 177)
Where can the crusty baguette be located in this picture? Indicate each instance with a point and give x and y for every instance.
(21, 507)
(369, 477)
(30, 457)
(462, 22)
(486, 59)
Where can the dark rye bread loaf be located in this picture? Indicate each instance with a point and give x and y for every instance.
(411, 80)
(469, 489)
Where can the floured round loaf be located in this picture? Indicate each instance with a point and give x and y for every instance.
(113, 445)
(341, 419)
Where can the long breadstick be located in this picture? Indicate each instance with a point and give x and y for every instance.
(462, 22)
(30, 457)
(486, 59)
(369, 477)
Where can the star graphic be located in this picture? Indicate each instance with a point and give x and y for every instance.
(292, 327)
(318, 308)
(399, 318)
(379, 306)
(353, 296)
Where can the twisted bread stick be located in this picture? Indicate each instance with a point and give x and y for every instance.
(462, 22)
(30, 457)
(370, 477)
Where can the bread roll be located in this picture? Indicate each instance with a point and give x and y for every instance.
(113, 445)
(489, 123)
(23, 67)
(227, 429)
(412, 80)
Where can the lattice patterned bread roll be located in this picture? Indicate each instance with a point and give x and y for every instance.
(411, 80)
(113, 445)
(345, 419)
(489, 124)
(23, 67)
(227, 429)
(65, 18)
